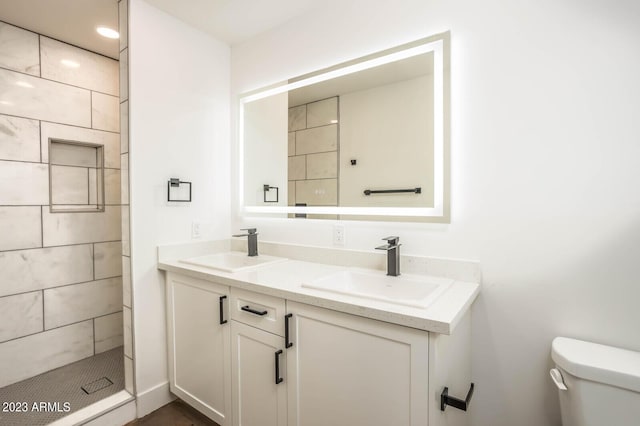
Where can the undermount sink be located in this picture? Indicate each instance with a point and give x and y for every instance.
(413, 291)
(232, 261)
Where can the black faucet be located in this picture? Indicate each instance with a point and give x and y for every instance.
(252, 243)
(393, 255)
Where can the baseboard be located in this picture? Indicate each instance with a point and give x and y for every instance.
(154, 398)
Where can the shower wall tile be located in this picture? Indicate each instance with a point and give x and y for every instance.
(297, 168)
(108, 260)
(105, 112)
(322, 113)
(19, 138)
(323, 165)
(128, 375)
(77, 302)
(291, 193)
(108, 331)
(78, 228)
(36, 269)
(320, 192)
(23, 184)
(80, 67)
(124, 127)
(291, 147)
(19, 49)
(20, 228)
(317, 139)
(126, 281)
(111, 141)
(297, 118)
(124, 75)
(124, 182)
(69, 185)
(111, 186)
(126, 246)
(72, 155)
(28, 308)
(123, 18)
(35, 354)
(32, 97)
(128, 342)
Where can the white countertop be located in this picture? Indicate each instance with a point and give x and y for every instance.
(284, 279)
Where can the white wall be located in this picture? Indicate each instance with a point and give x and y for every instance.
(179, 115)
(545, 165)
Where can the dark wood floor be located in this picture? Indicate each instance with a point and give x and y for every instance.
(176, 413)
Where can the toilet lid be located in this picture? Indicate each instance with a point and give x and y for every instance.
(599, 363)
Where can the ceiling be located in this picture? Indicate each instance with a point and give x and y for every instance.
(71, 21)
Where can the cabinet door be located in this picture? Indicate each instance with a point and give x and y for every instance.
(199, 352)
(257, 399)
(348, 370)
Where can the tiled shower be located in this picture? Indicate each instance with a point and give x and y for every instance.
(61, 280)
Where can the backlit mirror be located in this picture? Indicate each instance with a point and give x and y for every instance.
(367, 139)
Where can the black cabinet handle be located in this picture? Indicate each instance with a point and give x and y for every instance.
(253, 311)
(222, 320)
(445, 400)
(278, 378)
(287, 343)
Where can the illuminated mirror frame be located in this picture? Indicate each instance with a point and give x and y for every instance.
(439, 45)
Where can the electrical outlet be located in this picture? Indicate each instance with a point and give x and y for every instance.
(338, 235)
(195, 230)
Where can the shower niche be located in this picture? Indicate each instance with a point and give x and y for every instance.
(76, 176)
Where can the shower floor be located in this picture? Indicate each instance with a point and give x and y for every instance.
(45, 395)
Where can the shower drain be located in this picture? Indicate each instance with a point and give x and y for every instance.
(96, 385)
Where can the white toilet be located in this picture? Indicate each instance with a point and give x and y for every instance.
(598, 385)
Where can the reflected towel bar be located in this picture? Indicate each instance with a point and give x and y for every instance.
(392, 191)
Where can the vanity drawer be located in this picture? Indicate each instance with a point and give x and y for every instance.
(261, 311)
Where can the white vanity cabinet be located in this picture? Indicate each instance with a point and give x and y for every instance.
(199, 345)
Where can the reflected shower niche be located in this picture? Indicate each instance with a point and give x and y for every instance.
(76, 176)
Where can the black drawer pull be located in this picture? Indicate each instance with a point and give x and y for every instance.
(287, 342)
(445, 400)
(253, 311)
(278, 378)
(222, 320)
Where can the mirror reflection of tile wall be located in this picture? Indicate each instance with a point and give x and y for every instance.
(313, 154)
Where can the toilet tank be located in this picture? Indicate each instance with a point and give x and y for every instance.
(602, 383)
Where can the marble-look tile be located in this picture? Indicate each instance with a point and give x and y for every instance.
(124, 75)
(78, 228)
(19, 50)
(111, 187)
(128, 371)
(123, 19)
(318, 139)
(20, 315)
(108, 332)
(105, 112)
(124, 179)
(19, 138)
(77, 302)
(35, 354)
(20, 228)
(37, 269)
(321, 192)
(322, 112)
(128, 341)
(297, 118)
(291, 193)
(124, 127)
(108, 259)
(78, 67)
(31, 97)
(67, 154)
(126, 281)
(69, 185)
(23, 184)
(297, 168)
(109, 140)
(126, 246)
(291, 147)
(323, 165)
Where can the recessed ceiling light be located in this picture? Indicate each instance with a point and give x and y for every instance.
(107, 32)
(24, 84)
(69, 63)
